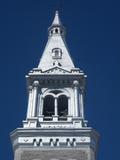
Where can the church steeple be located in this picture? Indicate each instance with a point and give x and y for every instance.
(55, 126)
(56, 53)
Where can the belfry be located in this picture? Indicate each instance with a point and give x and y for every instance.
(55, 127)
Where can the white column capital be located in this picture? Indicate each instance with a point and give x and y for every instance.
(76, 83)
(34, 102)
(35, 83)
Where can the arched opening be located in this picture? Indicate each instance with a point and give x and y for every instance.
(34, 142)
(57, 142)
(59, 64)
(51, 143)
(56, 92)
(56, 30)
(48, 106)
(62, 106)
(74, 142)
(68, 142)
(40, 142)
(56, 53)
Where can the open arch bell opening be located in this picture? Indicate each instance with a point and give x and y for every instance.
(55, 103)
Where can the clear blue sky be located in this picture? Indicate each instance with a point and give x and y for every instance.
(93, 37)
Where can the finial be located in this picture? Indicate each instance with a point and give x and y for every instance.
(56, 13)
(56, 20)
(56, 28)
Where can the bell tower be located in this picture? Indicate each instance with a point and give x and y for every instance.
(55, 127)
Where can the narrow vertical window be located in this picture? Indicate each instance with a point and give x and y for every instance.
(56, 30)
(48, 106)
(62, 106)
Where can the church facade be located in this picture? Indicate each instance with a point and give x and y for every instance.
(55, 127)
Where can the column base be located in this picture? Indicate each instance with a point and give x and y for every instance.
(79, 122)
(30, 123)
(41, 118)
(55, 118)
(69, 118)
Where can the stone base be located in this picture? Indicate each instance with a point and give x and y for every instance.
(53, 154)
(54, 144)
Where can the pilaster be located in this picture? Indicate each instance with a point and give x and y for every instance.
(76, 99)
(35, 87)
(29, 102)
(81, 98)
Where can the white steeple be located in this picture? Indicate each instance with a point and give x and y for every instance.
(56, 52)
(55, 125)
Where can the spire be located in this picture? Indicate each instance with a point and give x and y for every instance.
(56, 28)
(56, 52)
(57, 20)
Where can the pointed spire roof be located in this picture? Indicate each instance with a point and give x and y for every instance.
(57, 20)
(56, 52)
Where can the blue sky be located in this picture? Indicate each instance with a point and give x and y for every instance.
(93, 37)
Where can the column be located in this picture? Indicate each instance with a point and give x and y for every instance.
(38, 104)
(81, 103)
(41, 105)
(35, 87)
(40, 108)
(29, 110)
(69, 107)
(55, 109)
(76, 100)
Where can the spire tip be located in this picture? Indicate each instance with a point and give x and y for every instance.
(56, 20)
(56, 13)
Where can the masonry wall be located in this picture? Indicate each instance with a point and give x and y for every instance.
(54, 154)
